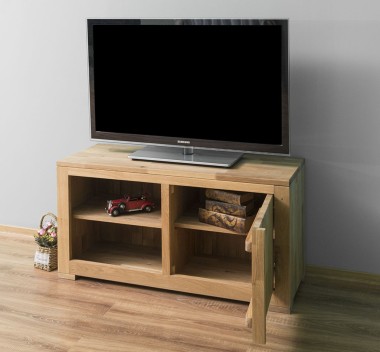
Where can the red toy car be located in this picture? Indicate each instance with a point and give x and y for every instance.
(128, 204)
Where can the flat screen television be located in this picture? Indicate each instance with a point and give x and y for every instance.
(215, 88)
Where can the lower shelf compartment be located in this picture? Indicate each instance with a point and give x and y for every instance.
(213, 287)
(221, 269)
(125, 255)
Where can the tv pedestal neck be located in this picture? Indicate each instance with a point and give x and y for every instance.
(169, 248)
(187, 155)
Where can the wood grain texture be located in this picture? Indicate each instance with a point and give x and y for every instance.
(136, 257)
(167, 226)
(195, 279)
(262, 269)
(64, 223)
(334, 311)
(259, 220)
(170, 179)
(219, 268)
(18, 229)
(251, 169)
(191, 221)
(296, 246)
(283, 277)
(94, 211)
(248, 316)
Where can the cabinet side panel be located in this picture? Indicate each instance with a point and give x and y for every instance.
(288, 244)
(281, 295)
(63, 206)
(297, 262)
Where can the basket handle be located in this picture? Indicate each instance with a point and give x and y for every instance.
(47, 214)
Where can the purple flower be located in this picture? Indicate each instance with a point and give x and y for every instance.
(41, 232)
(47, 225)
(53, 234)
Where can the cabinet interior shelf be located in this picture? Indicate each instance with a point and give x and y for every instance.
(124, 255)
(94, 210)
(190, 221)
(218, 268)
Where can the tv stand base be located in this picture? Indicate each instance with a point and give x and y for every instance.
(205, 157)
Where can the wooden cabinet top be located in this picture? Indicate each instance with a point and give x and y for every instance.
(260, 169)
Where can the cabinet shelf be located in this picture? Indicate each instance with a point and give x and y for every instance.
(94, 210)
(190, 221)
(129, 256)
(218, 268)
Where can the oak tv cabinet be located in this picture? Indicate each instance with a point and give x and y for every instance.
(169, 248)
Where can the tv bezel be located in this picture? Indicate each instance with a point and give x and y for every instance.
(141, 139)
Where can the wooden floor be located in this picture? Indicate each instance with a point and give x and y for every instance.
(39, 312)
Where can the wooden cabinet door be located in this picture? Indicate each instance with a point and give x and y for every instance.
(260, 243)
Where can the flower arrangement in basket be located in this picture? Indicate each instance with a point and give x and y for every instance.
(46, 257)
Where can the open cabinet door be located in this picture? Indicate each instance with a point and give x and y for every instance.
(260, 241)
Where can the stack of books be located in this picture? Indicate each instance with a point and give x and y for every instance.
(230, 210)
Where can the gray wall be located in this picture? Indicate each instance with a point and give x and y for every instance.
(335, 107)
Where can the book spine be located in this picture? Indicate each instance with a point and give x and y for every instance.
(229, 222)
(237, 198)
(223, 196)
(231, 209)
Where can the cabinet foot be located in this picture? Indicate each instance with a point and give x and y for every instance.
(67, 276)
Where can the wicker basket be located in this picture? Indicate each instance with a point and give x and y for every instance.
(46, 258)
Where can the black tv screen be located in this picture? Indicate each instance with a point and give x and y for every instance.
(213, 83)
